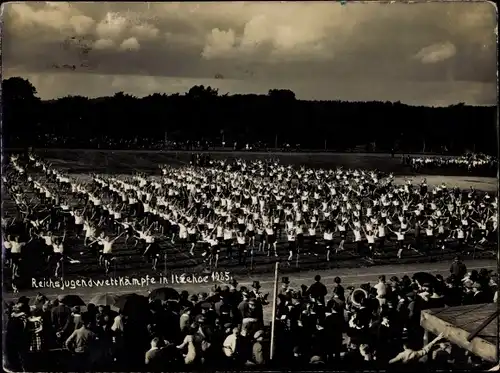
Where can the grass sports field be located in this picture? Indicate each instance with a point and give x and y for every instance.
(130, 263)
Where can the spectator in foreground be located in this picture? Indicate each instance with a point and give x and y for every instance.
(409, 355)
(82, 343)
(155, 356)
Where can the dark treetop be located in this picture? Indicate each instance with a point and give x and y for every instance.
(273, 119)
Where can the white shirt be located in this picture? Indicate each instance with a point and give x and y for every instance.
(228, 234)
(229, 345)
(48, 240)
(107, 247)
(16, 247)
(58, 248)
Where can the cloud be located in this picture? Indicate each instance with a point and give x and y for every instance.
(261, 42)
(144, 31)
(111, 26)
(104, 44)
(436, 52)
(61, 18)
(130, 44)
(291, 34)
(82, 24)
(219, 43)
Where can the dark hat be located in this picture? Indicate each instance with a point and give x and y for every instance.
(233, 282)
(366, 286)
(484, 272)
(285, 280)
(256, 284)
(23, 300)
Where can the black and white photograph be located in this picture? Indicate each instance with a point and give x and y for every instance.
(249, 186)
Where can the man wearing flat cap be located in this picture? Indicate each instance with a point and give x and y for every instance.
(258, 356)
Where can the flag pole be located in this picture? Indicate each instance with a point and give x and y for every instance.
(275, 304)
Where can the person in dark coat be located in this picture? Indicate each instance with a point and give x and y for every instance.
(16, 342)
(60, 315)
(184, 299)
(335, 326)
(338, 288)
(452, 293)
(318, 290)
(458, 269)
(480, 296)
(223, 309)
(243, 306)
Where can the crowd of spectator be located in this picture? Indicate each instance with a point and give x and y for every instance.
(377, 328)
(469, 162)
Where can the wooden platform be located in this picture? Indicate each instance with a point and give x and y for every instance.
(457, 323)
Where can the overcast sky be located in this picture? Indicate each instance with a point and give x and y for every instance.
(421, 54)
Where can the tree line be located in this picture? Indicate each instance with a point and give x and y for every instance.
(202, 114)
